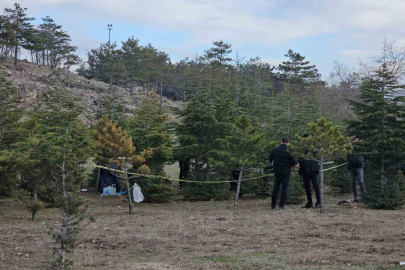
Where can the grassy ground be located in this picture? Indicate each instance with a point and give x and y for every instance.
(211, 235)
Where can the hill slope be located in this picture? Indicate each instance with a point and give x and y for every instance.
(32, 81)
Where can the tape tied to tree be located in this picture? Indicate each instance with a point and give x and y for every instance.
(198, 181)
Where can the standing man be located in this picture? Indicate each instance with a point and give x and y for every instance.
(282, 163)
(309, 169)
(355, 166)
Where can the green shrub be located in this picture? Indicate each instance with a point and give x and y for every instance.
(339, 178)
(387, 196)
(259, 187)
(9, 184)
(206, 192)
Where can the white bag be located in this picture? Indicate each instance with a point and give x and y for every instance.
(137, 194)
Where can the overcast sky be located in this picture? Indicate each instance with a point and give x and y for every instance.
(322, 31)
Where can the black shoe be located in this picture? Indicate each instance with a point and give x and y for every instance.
(307, 206)
(281, 208)
(273, 207)
(316, 206)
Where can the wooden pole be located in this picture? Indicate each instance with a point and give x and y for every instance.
(238, 189)
(128, 189)
(321, 185)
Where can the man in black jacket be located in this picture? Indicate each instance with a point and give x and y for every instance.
(282, 163)
(355, 164)
(309, 169)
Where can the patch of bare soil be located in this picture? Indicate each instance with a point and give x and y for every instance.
(211, 235)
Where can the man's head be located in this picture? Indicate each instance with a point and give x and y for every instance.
(305, 135)
(355, 140)
(285, 141)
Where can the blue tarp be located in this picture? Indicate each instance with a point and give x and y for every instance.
(107, 178)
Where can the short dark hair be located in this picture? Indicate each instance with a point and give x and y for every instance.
(285, 140)
(305, 135)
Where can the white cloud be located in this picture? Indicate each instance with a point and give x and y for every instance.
(355, 53)
(257, 21)
(359, 26)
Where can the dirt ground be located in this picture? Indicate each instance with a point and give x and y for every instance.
(211, 235)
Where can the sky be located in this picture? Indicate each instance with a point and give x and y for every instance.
(323, 31)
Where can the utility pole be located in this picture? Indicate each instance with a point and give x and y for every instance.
(109, 27)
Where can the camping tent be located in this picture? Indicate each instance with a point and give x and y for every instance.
(108, 178)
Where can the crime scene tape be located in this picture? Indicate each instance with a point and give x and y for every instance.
(198, 181)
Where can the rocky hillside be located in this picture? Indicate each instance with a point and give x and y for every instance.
(32, 81)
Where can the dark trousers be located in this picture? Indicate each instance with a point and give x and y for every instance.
(357, 173)
(280, 180)
(308, 178)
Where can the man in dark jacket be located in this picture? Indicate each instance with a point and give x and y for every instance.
(282, 163)
(355, 164)
(309, 169)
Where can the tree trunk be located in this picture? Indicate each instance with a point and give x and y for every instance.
(65, 223)
(128, 189)
(15, 53)
(383, 180)
(321, 185)
(35, 199)
(238, 188)
(161, 95)
(207, 175)
(98, 179)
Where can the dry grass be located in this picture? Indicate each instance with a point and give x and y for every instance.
(211, 235)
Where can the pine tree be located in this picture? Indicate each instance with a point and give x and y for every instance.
(296, 70)
(379, 126)
(149, 129)
(113, 142)
(31, 162)
(105, 63)
(325, 141)
(202, 125)
(242, 149)
(20, 27)
(65, 146)
(381, 130)
(153, 141)
(10, 113)
(69, 147)
(132, 59)
(55, 43)
(218, 55)
(6, 37)
(114, 146)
